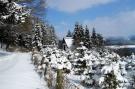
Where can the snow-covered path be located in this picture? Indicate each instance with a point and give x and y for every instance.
(17, 72)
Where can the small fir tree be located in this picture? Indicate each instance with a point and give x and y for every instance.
(110, 81)
(69, 34)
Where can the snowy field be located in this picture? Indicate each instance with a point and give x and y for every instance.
(17, 72)
(120, 47)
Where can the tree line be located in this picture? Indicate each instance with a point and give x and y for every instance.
(23, 26)
(82, 36)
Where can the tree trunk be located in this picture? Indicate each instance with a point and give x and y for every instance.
(7, 46)
(1, 44)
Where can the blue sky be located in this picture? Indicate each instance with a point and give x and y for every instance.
(112, 18)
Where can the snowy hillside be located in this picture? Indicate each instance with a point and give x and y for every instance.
(82, 69)
(17, 72)
(87, 69)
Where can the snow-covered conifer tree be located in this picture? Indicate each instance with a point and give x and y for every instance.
(87, 39)
(37, 37)
(69, 34)
(94, 37)
(78, 35)
(12, 13)
(110, 81)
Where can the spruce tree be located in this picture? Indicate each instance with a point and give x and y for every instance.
(20, 40)
(69, 34)
(110, 81)
(49, 35)
(87, 39)
(100, 41)
(53, 36)
(11, 12)
(37, 38)
(78, 35)
(94, 37)
(82, 34)
(75, 35)
(11, 16)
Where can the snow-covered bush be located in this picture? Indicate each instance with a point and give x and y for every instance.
(95, 68)
(57, 59)
(78, 62)
(100, 63)
(109, 81)
(117, 70)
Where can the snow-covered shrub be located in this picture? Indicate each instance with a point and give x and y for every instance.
(109, 81)
(92, 71)
(97, 68)
(133, 82)
(117, 69)
(78, 62)
(101, 62)
(36, 58)
(57, 59)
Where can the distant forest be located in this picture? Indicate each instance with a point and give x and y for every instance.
(120, 41)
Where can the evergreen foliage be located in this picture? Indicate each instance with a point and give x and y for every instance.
(77, 36)
(37, 38)
(18, 26)
(87, 39)
(94, 37)
(69, 34)
(12, 13)
(100, 40)
(82, 35)
(49, 35)
(110, 81)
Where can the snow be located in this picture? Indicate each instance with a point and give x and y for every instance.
(4, 1)
(17, 72)
(12, 8)
(82, 47)
(98, 64)
(120, 47)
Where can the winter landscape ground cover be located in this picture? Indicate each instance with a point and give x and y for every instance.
(85, 70)
(82, 69)
(17, 72)
(35, 58)
(88, 69)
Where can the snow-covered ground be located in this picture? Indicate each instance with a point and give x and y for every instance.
(89, 68)
(120, 46)
(17, 72)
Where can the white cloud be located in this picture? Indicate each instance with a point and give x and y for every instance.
(122, 24)
(75, 5)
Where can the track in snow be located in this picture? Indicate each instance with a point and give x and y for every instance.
(17, 72)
